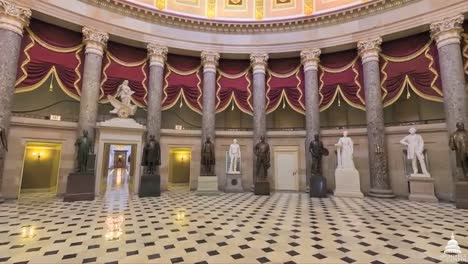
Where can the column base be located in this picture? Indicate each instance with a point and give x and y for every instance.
(80, 187)
(379, 193)
(233, 183)
(150, 185)
(207, 185)
(461, 194)
(422, 189)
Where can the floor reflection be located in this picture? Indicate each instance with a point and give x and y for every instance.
(117, 191)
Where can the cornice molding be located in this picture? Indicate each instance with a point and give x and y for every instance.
(153, 15)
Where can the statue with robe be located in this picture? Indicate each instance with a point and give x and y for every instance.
(83, 147)
(123, 108)
(317, 150)
(345, 152)
(208, 157)
(262, 152)
(415, 151)
(151, 155)
(458, 142)
(3, 141)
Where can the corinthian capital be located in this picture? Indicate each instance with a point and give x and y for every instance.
(447, 31)
(209, 60)
(157, 54)
(310, 58)
(369, 49)
(13, 17)
(95, 40)
(259, 62)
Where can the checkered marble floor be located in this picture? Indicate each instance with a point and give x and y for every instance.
(180, 227)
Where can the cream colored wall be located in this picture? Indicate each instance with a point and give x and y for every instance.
(28, 129)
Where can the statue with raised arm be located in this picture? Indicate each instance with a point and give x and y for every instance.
(234, 156)
(458, 142)
(415, 151)
(262, 152)
(345, 152)
(83, 147)
(123, 108)
(208, 157)
(317, 150)
(151, 155)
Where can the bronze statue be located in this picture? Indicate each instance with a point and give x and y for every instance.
(151, 155)
(3, 140)
(262, 152)
(317, 150)
(208, 157)
(83, 145)
(458, 142)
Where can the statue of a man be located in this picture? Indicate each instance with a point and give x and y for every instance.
(234, 155)
(415, 149)
(151, 155)
(208, 157)
(345, 152)
(317, 150)
(262, 152)
(83, 147)
(459, 143)
(3, 141)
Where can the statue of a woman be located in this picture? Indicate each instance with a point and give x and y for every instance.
(125, 93)
(345, 152)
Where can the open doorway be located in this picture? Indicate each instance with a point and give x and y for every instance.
(179, 168)
(41, 165)
(119, 168)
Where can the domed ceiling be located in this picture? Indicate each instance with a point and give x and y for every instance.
(248, 10)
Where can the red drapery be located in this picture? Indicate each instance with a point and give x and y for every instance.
(410, 63)
(121, 63)
(183, 79)
(50, 50)
(340, 77)
(285, 83)
(233, 85)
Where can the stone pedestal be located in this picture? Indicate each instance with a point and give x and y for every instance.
(347, 183)
(461, 194)
(422, 189)
(233, 183)
(318, 186)
(150, 185)
(207, 185)
(262, 188)
(80, 187)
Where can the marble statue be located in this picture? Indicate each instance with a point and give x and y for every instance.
(83, 146)
(345, 152)
(3, 140)
(415, 149)
(151, 155)
(208, 157)
(123, 108)
(317, 150)
(262, 152)
(458, 142)
(234, 156)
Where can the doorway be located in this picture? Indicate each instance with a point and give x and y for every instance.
(41, 165)
(119, 168)
(286, 168)
(179, 168)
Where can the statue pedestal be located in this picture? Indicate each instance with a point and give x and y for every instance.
(422, 188)
(262, 188)
(150, 185)
(347, 183)
(207, 185)
(318, 186)
(461, 194)
(234, 183)
(80, 187)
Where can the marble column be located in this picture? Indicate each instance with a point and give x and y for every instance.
(310, 60)
(13, 19)
(259, 63)
(95, 42)
(157, 55)
(380, 183)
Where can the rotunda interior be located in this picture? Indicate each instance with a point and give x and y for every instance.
(221, 131)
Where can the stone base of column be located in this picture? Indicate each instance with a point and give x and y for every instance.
(379, 193)
(233, 183)
(207, 185)
(422, 189)
(461, 194)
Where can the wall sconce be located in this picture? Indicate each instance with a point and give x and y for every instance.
(182, 158)
(27, 232)
(38, 155)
